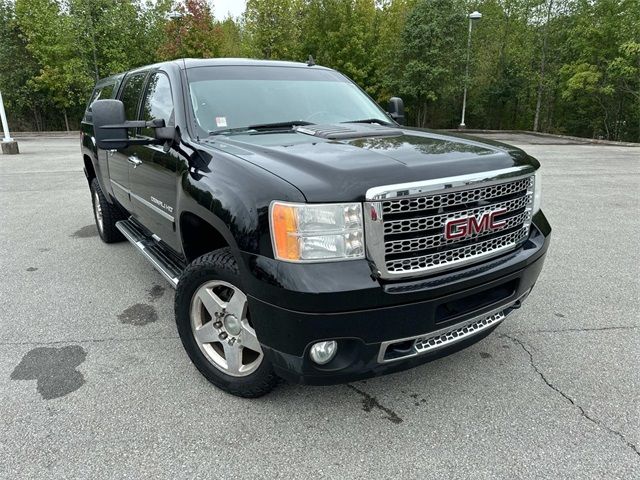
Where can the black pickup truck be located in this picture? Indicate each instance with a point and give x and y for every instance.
(309, 235)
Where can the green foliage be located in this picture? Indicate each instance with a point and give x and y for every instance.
(18, 92)
(430, 56)
(272, 29)
(574, 65)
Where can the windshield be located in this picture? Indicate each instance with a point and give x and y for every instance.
(237, 97)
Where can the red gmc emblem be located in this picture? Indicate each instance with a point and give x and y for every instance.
(467, 226)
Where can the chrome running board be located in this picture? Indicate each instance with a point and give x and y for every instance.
(163, 261)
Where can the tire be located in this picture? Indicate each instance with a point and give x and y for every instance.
(215, 328)
(106, 215)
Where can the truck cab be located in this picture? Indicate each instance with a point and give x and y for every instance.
(308, 233)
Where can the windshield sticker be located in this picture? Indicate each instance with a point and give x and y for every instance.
(221, 122)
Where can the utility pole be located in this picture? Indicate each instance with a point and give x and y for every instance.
(9, 145)
(472, 16)
(536, 120)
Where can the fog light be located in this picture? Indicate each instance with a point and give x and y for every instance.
(323, 352)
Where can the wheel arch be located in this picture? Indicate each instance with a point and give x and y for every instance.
(199, 235)
(89, 170)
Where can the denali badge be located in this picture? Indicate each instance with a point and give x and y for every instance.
(466, 226)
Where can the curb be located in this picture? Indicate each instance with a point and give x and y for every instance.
(71, 134)
(595, 141)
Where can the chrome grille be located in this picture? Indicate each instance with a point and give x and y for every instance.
(423, 243)
(406, 224)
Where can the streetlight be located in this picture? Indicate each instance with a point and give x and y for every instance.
(472, 16)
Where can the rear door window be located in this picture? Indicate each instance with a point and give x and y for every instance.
(131, 93)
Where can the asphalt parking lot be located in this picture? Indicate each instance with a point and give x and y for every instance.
(94, 382)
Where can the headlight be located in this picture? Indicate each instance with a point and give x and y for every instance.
(537, 191)
(316, 232)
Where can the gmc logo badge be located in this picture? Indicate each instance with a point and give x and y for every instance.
(467, 226)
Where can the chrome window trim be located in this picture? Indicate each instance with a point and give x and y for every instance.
(374, 221)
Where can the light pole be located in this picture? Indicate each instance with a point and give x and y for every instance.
(9, 145)
(472, 16)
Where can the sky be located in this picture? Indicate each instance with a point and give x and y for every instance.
(223, 7)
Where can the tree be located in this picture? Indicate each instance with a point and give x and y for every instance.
(51, 39)
(192, 34)
(18, 92)
(272, 29)
(429, 60)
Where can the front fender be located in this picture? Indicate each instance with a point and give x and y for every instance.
(233, 196)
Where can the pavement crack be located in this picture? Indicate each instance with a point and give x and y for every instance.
(585, 329)
(369, 402)
(582, 411)
(95, 340)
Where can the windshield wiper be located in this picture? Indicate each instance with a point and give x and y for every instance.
(371, 120)
(224, 131)
(261, 126)
(290, 124)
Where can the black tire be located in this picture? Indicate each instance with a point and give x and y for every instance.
(110, 215)
(217, 265)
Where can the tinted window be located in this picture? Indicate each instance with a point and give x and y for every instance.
(102, 92)
(131, 94)
(236, 97)
(158, 103)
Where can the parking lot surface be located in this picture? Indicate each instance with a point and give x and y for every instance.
(94, 382)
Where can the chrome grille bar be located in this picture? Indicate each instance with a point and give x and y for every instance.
(434, 221)
(455, 198)
(448, 258)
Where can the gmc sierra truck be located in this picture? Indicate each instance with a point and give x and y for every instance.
(309, 235)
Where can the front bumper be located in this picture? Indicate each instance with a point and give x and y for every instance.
(382, 327)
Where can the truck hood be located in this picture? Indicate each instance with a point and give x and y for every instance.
(330, 170)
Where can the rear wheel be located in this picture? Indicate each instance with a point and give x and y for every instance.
(106, 215)
(215, 327)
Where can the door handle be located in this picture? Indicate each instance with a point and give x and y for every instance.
(135, 161)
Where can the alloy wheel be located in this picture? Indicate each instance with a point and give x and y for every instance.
(222, 330)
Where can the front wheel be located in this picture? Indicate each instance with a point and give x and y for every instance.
(215, 327)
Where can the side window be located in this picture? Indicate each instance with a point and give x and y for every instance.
(106, 92)
(131, 94)
(158, 103)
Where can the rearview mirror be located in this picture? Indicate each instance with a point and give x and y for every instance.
(396, 109)
(109, 124)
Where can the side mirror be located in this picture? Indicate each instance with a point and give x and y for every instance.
(109, 124)
(396, 109)
(111, 127)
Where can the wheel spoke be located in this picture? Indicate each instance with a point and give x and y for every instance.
(206, 333)
(238, 304)
(248, 338)
(211, 301)
(233, 356)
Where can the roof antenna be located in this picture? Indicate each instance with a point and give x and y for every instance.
(311, 62)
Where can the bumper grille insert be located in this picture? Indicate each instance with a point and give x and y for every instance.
(410, 347)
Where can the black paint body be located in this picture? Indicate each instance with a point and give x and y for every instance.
(228, 182)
